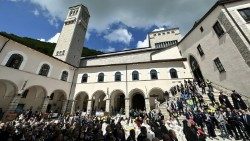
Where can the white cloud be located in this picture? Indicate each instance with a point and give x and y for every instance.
(126, 48)
(109, 49)
(139, 13)
(143, 44)
(43, 40)
(36, 12)
(119, 35)
(159, 29)
(54, 39)
(87, 35)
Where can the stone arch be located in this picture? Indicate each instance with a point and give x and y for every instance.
(57, 101)
(137, 99)
(8, 90)
(117, 101)
(81, 101)
(32, 98)
(155, 94)
(9, 54)
(40, 66)
(68, 75)
(195, 68)
(99, 100)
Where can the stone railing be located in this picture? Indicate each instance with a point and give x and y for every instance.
(228, 91)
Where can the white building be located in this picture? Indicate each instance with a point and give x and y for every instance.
(164, 38)
(128, 79)
(218, 47)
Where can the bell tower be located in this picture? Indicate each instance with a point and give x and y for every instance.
(70, 43)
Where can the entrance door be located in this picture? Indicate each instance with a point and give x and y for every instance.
(196, 70)
(138, 102)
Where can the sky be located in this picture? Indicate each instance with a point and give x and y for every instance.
(115, 25)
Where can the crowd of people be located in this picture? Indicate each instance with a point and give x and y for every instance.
(191, 119)
(36, 127)
(232, 120)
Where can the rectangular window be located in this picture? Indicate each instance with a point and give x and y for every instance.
(218, 29)
(219, 65)
(200, 50)
(117, 78)
(245, 14)
(135, 77)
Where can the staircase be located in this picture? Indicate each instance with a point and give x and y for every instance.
(162, 107)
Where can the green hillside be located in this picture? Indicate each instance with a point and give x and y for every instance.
(44, 47)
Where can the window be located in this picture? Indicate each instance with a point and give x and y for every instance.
(201, 29)
(153, 74)
(219, 65)
(135, 75)
(84, 78)
(159, 33)
(163, 33)
(25, 93)
(172, 31)
(64, 76)
(117, 76)
(200, 50)
(44, 71)
(100, 77)
(218, 29)
(173, 73)
(15, 61)
(51, 96)
(245, 14)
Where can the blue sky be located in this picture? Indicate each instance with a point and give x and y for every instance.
(114, 25)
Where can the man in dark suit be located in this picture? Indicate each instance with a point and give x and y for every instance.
(211, 97)
(245, 119)
(224, 100)
(237, 101)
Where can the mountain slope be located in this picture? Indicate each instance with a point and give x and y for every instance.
(44, 47)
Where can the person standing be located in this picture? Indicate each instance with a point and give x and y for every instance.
(180, 106)
(143, 135)
(224, 101)
(190, 133)
(245, 119)
(222, 124)
(209, 84)
(211, 97)
(203, 86)
(131, 136)
(237, 101)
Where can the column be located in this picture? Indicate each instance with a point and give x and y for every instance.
(147, 104)
(89, 107)
(64, 106)
(127, 107)
(14, 103)
(45, 104)
(72, 111)
(107, 107)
